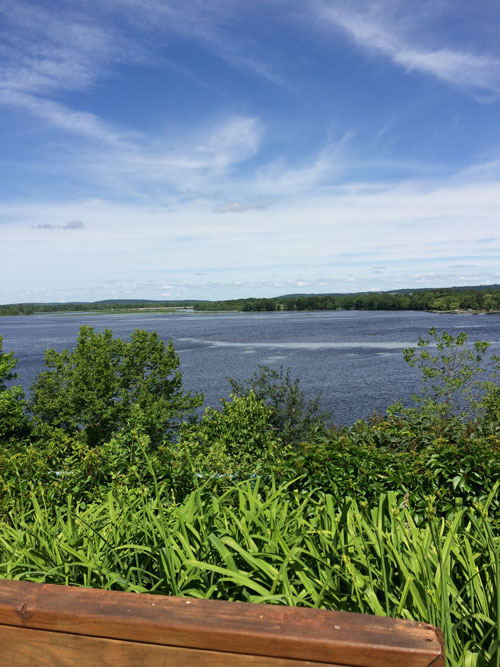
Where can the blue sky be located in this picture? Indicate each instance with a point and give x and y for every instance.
(188, 149)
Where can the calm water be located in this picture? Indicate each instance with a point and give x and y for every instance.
(353, 358)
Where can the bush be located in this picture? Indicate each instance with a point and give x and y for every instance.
(293, 417)
(106, 385)
(226, 446)
(14, 422)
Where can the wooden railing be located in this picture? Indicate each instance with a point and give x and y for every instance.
(46, 625)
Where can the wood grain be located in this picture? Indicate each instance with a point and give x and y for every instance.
(22, 647)
(268, 631)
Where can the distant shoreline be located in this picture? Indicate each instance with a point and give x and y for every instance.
(474, 300)
(176, 310)
(464, 312)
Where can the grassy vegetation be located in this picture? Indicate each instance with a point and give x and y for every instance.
(108, 480)
(269, 546)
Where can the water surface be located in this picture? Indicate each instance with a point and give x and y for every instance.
(353, 358)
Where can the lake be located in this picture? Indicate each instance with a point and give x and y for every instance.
(353, 358)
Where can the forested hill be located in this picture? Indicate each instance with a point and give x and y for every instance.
(480, 298)
(446, 299)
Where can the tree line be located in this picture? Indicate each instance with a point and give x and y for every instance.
(447, 299)
(107, 306)
(442, 300)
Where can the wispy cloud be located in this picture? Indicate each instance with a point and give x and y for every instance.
(390, 29)
(323, 166)
(58, 115)
(46, 53)
(177, 169)
(213, 25)
(47, 50)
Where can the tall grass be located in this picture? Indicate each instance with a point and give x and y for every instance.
(274, 546)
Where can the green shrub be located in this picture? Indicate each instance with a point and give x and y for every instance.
(14, 422)
(106, 385)
(293, 417)
(233, 444)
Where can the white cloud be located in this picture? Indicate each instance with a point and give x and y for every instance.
(394, 30)
(242, 207)
(58, 115)
(191, 165)
(464, 69)
(235, 140)
(398, 223)
(47, 50)
(323, 167)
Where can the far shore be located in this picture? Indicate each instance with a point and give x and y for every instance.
(467, 311)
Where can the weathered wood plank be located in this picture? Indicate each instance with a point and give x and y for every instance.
(265, 630)
(23, 647)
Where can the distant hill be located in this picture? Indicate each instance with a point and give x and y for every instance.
(143, 302)
(111, 302)
(475, 298)
(406, 290)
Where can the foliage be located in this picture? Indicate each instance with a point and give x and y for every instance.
(103, 423)
(106, 385)
(108, 305)
(293, 417)
(444, 299)
(7, 364)
(265, 546)
(233, 444)
(454, 472)
(451, 375)
(116, 485)
(447, 299)
(14, 422)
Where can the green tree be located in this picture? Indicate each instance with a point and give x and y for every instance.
(292, 416)
(451, 373)
(7, 364)
(14, 423)
(107, 384)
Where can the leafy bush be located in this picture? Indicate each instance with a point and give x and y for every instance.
(115, 484)
(293, 417)
(14, 422)
(226, 446)
(450, 375)
(106, 385)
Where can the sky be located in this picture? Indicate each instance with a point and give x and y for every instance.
(185, 149)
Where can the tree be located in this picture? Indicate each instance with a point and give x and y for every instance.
(7, 364)
(451, 372)
(14, 423)
(292, 416)
(106, 385)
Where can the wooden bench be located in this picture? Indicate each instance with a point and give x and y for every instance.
(46, 625)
